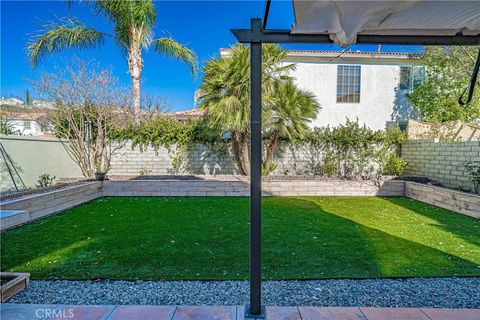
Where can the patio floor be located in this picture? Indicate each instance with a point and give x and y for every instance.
(111, 312)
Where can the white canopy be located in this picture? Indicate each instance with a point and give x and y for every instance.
(344, 20)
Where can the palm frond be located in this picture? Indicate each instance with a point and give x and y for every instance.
(169, 47)
(69, 33)
(133, 20)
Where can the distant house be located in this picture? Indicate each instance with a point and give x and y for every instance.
(368, 86)
(29, 123)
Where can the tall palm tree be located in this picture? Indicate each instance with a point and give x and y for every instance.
(290, 110)
(133, 22)
(225, 94)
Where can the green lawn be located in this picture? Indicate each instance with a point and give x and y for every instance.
(207, 238)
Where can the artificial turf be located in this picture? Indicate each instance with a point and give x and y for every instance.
(207, 238)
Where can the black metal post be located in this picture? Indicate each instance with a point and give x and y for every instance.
(255, 310)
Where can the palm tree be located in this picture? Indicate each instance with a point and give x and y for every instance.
(290, 110)
(133, 22)
(225, 94)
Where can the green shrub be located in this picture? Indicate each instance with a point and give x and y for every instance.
(354, 150)
(473, 170)
(328, 167)
(271, 167)
(44, 181)
(394, 165)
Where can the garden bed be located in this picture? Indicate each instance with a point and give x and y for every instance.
(8, 196)
(458, 201)
(35, 206)
(12, 283)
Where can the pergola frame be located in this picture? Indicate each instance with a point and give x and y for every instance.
(255, 36)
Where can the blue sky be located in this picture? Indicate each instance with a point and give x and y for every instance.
(203, 25)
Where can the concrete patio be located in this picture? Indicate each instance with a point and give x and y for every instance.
(111, 312)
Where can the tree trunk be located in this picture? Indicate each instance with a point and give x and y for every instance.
(135, 66)
(236, 153)
(99, 146)
(245, 152)
(136, 98)
(271, 146)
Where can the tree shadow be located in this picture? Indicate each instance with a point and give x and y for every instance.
(402, 109)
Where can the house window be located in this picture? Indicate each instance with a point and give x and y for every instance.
(26, 125)
(411, 76)
(348, 84)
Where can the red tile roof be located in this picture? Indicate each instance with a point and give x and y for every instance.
(357, 53)
(190, 114)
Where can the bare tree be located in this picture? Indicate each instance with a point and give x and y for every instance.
(90, 107)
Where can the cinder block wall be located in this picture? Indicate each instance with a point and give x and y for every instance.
(202, 160)
(441, 161)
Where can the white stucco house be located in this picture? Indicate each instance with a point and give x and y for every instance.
(368, 86)
(29, 124)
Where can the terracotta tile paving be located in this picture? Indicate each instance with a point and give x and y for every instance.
(205, 313)
(81, 312)
(142, 312)
(31, 311)
(452, 314)
(286, 313)
(394, 314)
(23, 311)
(331, 313)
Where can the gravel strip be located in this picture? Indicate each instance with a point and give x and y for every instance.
(418, 292)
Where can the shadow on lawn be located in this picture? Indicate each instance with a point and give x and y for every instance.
(207, 238)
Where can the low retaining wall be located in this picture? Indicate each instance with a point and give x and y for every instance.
(48, 203)
(461, 202)
(240, 187)
(40, 205)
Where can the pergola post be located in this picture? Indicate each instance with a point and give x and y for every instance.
(254, 310)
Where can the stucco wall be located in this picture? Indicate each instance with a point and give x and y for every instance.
(441, 161)
(33, 156)
(381, 100)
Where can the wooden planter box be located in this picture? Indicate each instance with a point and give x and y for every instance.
(14, 283)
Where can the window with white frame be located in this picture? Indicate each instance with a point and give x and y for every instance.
(411, 76)
(348, 83)
(26, 124)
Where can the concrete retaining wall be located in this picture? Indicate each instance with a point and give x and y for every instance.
(236, 186)
(41, 205)
(461, 202)
(441, 161)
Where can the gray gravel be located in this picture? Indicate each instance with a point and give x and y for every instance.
(419, 292)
